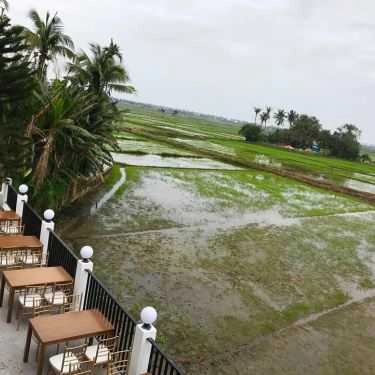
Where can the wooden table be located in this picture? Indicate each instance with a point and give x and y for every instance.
(19, 242)
(56, 329)
(19, 279)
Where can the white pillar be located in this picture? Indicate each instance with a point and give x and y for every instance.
(4, 188)
(48, 226)
(81, 277)
(21, 199)
(140, 356)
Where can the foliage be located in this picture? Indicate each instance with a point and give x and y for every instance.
(251, 132)
(279, 117)
(55, 132)
(257, 110)
(16, 85)
(344, 142)
(47, 41)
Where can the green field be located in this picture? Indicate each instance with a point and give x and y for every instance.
(222, 139)
(244, 266)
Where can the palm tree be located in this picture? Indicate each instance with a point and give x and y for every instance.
(257, 111)
(4, 6)
(63, 143)
(279, 117)
(103, 72)
(47, 41)
(267, 115)
(292, 117)
(263, 119)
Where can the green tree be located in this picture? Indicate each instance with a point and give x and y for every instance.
(304, 131)
(16, 86)
(279, 117)
(292, 117)
(345, 142)
(256, 111)
(102, 73)
(251, 132)
(47, 41)
(263, 119)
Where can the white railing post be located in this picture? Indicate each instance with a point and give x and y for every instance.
(48, 226)
(21, 199)
(4, 189)
(83, 265)
(141, 351)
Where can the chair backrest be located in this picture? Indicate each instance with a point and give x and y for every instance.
(118, 364)
(106, 346)
(33, 294)
(85, 368)
(70, 356)
(72, 302)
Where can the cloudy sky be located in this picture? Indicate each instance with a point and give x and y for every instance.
(226, 56)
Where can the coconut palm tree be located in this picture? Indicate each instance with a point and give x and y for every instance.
(4, 6)
(292, 117)
(102, 73)
(279, 117)
(64, 146)
(257, 111)
(263, 119)
(47, 41)
(267, 115)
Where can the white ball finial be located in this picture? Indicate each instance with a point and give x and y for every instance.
(49, 214)
(86, 252)
(148, 316)
(23, 189)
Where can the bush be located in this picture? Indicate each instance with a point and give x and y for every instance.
(251, 132)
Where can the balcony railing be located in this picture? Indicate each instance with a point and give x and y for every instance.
(12, 198)
(98, 297)
(31, 220)
(59, 254)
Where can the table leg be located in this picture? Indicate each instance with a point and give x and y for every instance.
(10, 305)
(41, 359)
(27, 345)
(2, 290)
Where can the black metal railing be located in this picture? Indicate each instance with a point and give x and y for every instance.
(31, 220)
(12, 197)
(59, 254)
(159, 363)
(98, 297)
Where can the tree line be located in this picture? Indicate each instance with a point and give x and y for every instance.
(55, 131)
(304, 132)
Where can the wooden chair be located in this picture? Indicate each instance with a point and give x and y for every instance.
(59, 295)
(14, 230)
(100, 353)
(85, 368)
(10, 260)
(31, 258)
(68, 362)
(28, 300)
(118, 364)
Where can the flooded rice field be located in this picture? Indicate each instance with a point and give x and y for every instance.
(152, 160)
(233, 261)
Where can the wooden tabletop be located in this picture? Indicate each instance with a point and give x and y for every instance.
(52, 329)
(8, 215)
(19, 242)
(36, 276)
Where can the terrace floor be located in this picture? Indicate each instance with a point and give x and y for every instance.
(12, 344)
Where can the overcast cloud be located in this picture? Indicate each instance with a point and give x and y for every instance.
(226, 56)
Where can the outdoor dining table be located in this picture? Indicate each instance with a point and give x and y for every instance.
(19, 279)
(57, 329)
(20, 242)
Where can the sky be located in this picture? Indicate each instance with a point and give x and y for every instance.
(226, 56)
